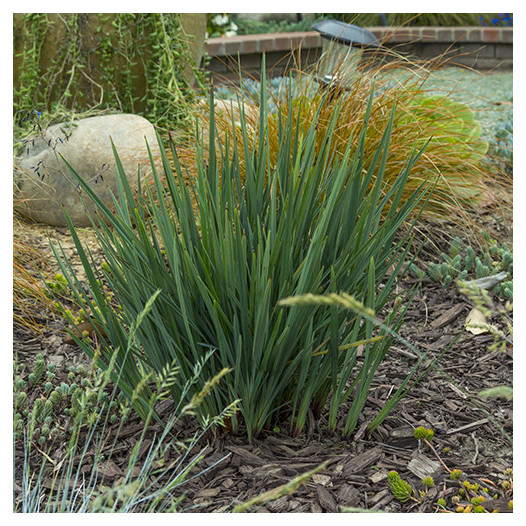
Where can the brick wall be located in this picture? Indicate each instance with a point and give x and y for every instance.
(482, 48)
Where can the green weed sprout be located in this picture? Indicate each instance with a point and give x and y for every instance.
(428, 482)
(421, 433)
(400, 488)
(59, 285)
(441, 503)
(455, 474)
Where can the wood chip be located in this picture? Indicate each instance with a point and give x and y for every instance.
(326, 500)
(422, 466)
(382, 503)
(322, 480)
(247, 456)
(208, 492)
(375, 499)
(246, 470)
(448, 316)
(279, 440)
(283, 449)
(378, 476)
(501, 505)
(84, 327)
(468, 426)
(109, 469)
(269, 470)
(444, 341)
(362, 461)
(304, 508)
(227, 483)
(280, 505)
(452, 406)
(403, 437)
(305, 466)
(349, 495)
(309, 450)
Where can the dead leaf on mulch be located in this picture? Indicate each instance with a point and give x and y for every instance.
(476, 323)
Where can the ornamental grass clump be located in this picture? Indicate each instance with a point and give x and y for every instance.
(221, 249)
(455, 146)
(67, 433)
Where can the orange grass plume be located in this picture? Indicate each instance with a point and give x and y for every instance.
(452, 159)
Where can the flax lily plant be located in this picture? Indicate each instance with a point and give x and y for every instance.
(223, 247)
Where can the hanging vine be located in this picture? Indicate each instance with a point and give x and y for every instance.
(126, 62)
(34, 31)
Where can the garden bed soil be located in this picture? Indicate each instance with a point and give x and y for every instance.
(471, 434)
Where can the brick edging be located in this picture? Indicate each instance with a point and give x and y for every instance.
(261, 43)
(268, 42)
(482, 48)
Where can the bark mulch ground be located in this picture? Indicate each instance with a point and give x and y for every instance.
(471, 434)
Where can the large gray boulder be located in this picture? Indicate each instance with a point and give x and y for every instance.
(43, 182)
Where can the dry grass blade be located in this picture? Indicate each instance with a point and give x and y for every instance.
(30, 301)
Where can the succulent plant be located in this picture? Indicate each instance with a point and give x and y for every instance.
(463, 264)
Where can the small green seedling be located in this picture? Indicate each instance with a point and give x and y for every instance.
(471, 496)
